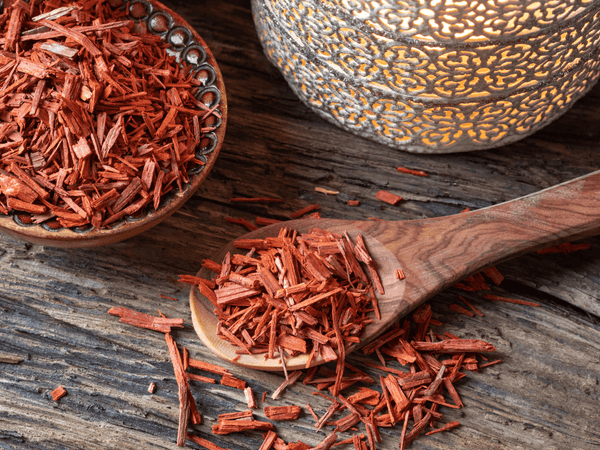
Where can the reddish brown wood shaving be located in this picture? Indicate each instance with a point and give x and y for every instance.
(287, 382)
(58, 393)
(353, 203)
(203, 442)
(362, 255)
(473, 283)
(212, 266)
(262, 221)
(312, 412)
(237, 426)
(330, 411)
(200, 378)
(152, 387)
(269, 441)
(142, 320)
(418, 173)
(326, 191)
(296, 446)
(446, 427)
(187, 405)
(207, 367)
(499, 298)
(282, 412)
(345, 423)
(240, 221)
(250, 400)
(495, 275)
(388, 197)
(228, 380)
(103, 115)
(236, 415)
(365, 396)
(382, 340)
(491, 363)
(479, 313)
(454, 346)
(303, 211)
(460, 309)
(327, 442)
(452, 391)
(355, 439)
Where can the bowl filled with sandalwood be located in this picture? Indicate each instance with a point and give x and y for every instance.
(111, 116)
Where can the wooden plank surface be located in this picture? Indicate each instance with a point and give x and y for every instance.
(54, 303)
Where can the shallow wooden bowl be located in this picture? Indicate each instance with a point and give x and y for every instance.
(186, 43)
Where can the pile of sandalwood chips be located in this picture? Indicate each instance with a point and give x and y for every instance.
(308, 294)
(301, 294)
(96, 121)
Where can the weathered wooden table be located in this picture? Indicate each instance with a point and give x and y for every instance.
(53, 303)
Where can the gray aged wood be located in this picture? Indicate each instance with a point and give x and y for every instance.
(54, 303)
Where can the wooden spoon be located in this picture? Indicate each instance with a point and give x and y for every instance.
(433, 253)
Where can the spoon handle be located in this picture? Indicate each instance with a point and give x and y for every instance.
(561, 213)
(436, 253)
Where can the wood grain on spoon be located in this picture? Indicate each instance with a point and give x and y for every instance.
(433, 253)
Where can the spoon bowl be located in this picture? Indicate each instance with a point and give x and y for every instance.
(433, 253)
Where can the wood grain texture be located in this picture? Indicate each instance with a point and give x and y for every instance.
(54, 302)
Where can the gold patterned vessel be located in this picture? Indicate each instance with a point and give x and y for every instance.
(434, 76)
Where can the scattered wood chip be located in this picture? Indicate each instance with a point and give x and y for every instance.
(269, 440)
(388, 197)
(250, 400)
(475, 310)
(418, 173)
(282, 412)
(228, 380)
(460, 309)
(58, 393)
(326, 191)
(203, 442)
(303, 211)
(142, 320)
(499, 298)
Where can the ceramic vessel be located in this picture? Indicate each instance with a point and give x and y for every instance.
(186, 45)
(434, 76)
